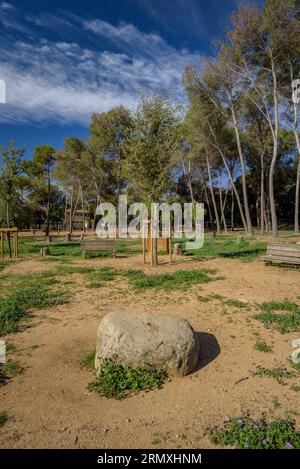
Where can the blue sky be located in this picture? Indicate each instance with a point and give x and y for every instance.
(62, 61)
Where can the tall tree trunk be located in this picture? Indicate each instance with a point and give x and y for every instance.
(297, 197)
(208, 204)
(82, 207)
(71, 210)
(232, 209)
(48, 205)
(212, 194)
(275, 133)
(262, 192)
(230, 178)
(221, 203)
(244, 183)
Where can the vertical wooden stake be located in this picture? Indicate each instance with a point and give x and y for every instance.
(2, 245)
(170, 249)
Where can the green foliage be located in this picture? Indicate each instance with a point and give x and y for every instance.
(263, 347)
(153, 146)
(279, 373)
(100, 277)
(288, 320)
(17, 306)
(173, 281)
(226, 246)
(245, 432)
(119, 381)
(9, 370)
(88, 360)
(3, 418)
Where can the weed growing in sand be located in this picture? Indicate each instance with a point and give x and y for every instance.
(279, 373)
(173, 281)
(119, 381)
(101, 276)
(88, 360)
(286, 320)
(3, 418)
(245, 432)
(17, 306)
(9, 370)
(263, 347)
(295, 388)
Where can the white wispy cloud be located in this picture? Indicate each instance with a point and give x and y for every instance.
(93, 67)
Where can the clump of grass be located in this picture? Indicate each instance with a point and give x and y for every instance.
(88, 360)
(245, 432)
(279, 373)
(236, 303)
(8, 371)
(3, 418)
(100, 277)
(288, 320)
(263, 347)
(295, 388)
(173, 281)
(16, 307)
(119, 381)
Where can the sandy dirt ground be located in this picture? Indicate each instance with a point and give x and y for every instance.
(49, 405)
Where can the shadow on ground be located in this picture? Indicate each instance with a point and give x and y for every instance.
(209, 349)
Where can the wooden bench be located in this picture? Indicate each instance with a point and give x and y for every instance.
(284, 254)
(98, 245)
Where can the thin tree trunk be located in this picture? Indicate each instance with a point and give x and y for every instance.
(232, 209)
(71, 211)
(221, 204)
(244, 184)
(231, 179)
(208, 204)
(275, 134)
(297, 197)
(48, 205)
(262, 192)
(82, 207)
(212, 194)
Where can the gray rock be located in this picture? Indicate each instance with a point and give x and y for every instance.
(160, 340)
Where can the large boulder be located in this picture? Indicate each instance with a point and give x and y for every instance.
(160, 340)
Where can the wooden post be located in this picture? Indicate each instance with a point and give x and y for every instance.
(144, 244)
(2, 245)
(170, 248)
(17, 244)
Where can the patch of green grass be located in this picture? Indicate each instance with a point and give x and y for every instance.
(295, 388)
(173, 281)
(18, 305)
(263, 347)
(279, 373)
(9, 370)
(12, 369)
(244, 432)
(227, 246)
(119, 381)
(236, 303)
(88, 360)
(100, 277)
(288, 318)
(156, 441)
(3, 418)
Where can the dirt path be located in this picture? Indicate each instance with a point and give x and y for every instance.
(49, 405)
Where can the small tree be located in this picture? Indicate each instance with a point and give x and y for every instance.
(152, 150)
